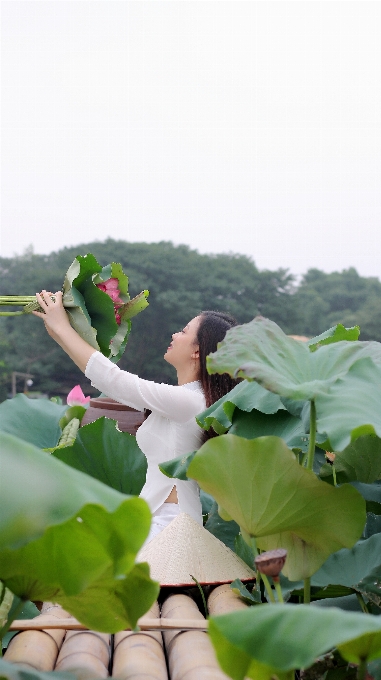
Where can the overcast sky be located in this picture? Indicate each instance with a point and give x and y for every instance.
(251, 127)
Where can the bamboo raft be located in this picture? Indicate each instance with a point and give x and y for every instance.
(171, 644)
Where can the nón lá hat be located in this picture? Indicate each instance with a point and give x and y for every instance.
(184, 549)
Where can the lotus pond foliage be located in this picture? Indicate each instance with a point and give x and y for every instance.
(295, 464)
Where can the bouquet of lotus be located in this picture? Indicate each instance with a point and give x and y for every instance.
(96, 301)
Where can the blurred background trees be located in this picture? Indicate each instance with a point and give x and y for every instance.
(182, 282)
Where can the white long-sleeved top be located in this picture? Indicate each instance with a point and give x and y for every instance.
(169, 431)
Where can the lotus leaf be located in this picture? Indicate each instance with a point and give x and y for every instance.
(334, 334)
(34, 420)
(260, 484)
(260, 351)
(360, 461)
(245, 396)
(351, 407)
(67, 537)
(348, 566)
(111, 456)
(285, 637)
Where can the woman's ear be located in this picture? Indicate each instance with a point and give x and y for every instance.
(196, 354)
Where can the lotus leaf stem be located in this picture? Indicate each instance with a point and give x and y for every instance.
(362, 670)
(11, 313)
(362, 604)
(334, 475)
(202, 595)
(311, 448)
(278, 590)
(268, 588)
(307, 591)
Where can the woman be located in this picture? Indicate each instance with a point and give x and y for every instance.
(171, 429)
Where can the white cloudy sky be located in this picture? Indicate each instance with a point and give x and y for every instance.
(251, 127)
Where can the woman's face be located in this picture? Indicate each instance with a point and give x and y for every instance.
(183, 349)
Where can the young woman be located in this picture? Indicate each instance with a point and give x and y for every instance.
(171, 429)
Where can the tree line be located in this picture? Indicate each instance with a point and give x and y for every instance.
(182, 282)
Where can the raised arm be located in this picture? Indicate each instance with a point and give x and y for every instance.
(58, 326)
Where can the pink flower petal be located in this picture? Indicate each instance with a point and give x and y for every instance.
(111, 284)
(76, 397)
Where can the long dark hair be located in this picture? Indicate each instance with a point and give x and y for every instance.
(212, 329)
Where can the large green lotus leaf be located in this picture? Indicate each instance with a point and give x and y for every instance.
(33, 420)
(111, 456)
(360, 461)
(260, 351)
(102, 313)
(87, 266)
(282, 424)
(245, 396)
(348, 567)
(285, 637)
(260, 485)
(351, 406)
(372, 495)
(87, 560)
(224, 531)
(15, 671)
(73, 301)
(66, 537)
(38, 491)
(334, 334)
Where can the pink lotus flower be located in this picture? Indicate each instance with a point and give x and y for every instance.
(76, 397)
(110, 287)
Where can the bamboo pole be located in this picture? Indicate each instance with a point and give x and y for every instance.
(85, 653)
(222, 600)
(190, 654)
(39, 648)
(140, 655)
(143, 623)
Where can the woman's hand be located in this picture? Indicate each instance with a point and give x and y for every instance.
(58, 326)
(54, 316)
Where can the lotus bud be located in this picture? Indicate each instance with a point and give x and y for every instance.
(76, 397)
(271, 562)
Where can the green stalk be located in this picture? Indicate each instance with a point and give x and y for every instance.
(278, 590)
(311, 448)
(362, 670)
(362, 604)
(11, 313)
(268, 587)
(202, 595)
(334, 475)
(4, 630)
(307, 591)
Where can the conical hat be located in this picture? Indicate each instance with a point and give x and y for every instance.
(185, 548)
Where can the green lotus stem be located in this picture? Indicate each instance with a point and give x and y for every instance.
(4, 630)
(311, 448)
(268, 587)
(202, 595)
(11, 313)
(362, 604)
(362, 670)
(334, 475)
(307, 591)
(278, 590)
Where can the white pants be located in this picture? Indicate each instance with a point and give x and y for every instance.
(161, 518)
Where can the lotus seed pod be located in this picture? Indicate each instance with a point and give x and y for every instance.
(271, 562)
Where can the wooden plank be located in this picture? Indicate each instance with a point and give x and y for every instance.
(143, 624)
